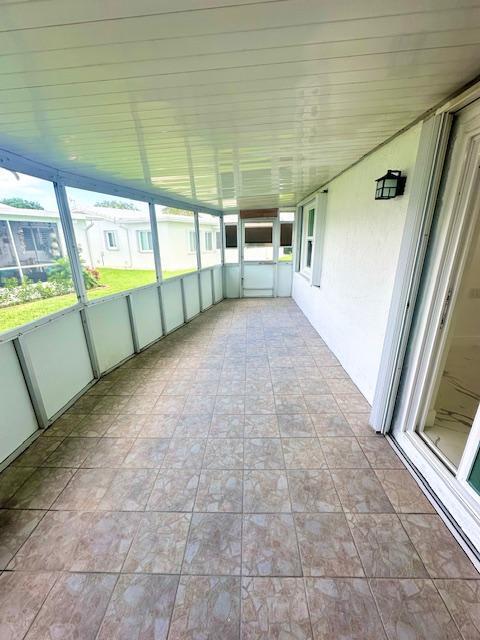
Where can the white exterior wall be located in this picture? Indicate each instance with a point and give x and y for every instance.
(360, 255)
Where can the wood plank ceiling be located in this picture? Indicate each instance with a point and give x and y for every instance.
(237, 104)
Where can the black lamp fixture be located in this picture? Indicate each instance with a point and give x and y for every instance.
(391, 185)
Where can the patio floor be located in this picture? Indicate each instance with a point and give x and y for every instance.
(225, 484)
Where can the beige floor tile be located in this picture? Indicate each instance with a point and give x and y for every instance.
(413, 609)
(105, 541)
(193, 426)
(129, 490)
(185, 453)
(343, 453)
(261, 426)
(274, 608)
(297, 425)
(37, 452)
(11, 479)
(269, 546)
(159, 543)
(51, 545)
(360, 491)
(227, 426)
(140, 607)
(224, 453)
(326, 545)
(403, 492)
(74, 607)
(174, 490)
(206, 607)
(265, 491)
(343, 608)
(438, 549)
(384, 547)
(41, 489)
(312, 490)
(331, 425)
(109, 453)
(146, 453)
(214, 544)
(15, 527)
(380, 454)
(220, 490)
(263, 453)
(303, 453)
(462, 598)
(85, 490)
(21, 597)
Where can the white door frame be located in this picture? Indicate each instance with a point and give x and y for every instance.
(458, 220)
(275, 221)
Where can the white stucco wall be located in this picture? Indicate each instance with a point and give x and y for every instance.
(361, 247)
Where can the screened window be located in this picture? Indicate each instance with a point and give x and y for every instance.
(308, 238)
(230, 222)
(177, 238)
(209, 228)
(144, 240)
(286, 234)
(106, 232)
(111, 240)
(258, 241)
(35, 274)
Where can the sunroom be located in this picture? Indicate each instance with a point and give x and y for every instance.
(239, 320)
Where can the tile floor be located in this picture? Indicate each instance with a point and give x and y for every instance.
(224, 484)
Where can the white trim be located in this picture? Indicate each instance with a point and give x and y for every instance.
(421, 205)
(458, 219)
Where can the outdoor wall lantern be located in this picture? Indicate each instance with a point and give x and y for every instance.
(390, 185)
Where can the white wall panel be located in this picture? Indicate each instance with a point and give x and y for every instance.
(61, 364)
(218, 283)
(207, 293)
(146, 315)
(192, 298)
(232, 281)
(111, 332)
(360, 254)
(172, 304)
(284, 279)
(17, 419)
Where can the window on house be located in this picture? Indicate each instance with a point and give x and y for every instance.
(177, 239)
(230, 221)
(192, 241)
(208, 241)
(218, 240)
(105, 230)
(144, 241)
(35, 273)
(209, 226)
(111, 240)
(308, 231)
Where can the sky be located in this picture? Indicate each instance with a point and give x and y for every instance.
(19, 185)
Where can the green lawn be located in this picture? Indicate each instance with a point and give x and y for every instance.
(112, 281)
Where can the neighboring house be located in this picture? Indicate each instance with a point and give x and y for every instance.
(30, 240)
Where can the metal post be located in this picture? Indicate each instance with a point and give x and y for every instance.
(31, 382)
(70, 242)
(199, 257)
(158, 261)
(77, 272)
(133, 326)
(222, 250)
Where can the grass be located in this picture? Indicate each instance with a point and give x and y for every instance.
(112, 281)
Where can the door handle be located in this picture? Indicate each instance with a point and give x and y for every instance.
(446, 306)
